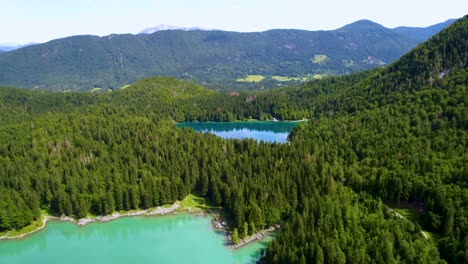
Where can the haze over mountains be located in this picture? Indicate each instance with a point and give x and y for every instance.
(217, 59)
(423, 33)
(162, 27)
(5, 47)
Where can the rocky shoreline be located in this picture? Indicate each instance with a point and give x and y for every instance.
(83, 221)
(147, 212)
(218, 223)
(257, 236)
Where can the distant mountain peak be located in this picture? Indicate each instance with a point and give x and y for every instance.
(162, 27)
(365, 21)
(361, 24)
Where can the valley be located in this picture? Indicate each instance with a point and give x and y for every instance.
(377, 173)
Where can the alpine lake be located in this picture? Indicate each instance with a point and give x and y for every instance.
(267, 131)
(181, 238)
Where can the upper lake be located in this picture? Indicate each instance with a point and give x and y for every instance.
(267, 131)
(181, 238)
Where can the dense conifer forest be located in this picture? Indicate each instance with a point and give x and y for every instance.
(374, 140)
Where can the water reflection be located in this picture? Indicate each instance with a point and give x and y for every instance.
(266, 131)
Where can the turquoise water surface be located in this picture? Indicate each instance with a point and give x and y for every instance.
(259, 130)
(179, 238)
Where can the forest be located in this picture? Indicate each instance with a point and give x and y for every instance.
(374, 140)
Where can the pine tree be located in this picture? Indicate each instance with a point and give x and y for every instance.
(235, 237)
(245, 230)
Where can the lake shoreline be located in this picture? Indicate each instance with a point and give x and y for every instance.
(155, 211)
(217, 222)
(45, 219)
(220, 225)
(255, 237)
(266, 131)
(247, 121)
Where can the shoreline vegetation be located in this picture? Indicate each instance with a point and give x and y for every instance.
(190, 204)
(255, 237)
(249, 120)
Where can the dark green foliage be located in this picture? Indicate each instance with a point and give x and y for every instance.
(347, 228)
(211, 58)
(235, 236)
(392, 135)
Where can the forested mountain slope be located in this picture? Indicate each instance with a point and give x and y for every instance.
(217, 59)
(400, 135)
(375, 139)
(423, 33)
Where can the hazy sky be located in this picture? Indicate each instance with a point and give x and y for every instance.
(23, 21)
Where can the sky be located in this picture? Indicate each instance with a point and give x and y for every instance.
(25, 21)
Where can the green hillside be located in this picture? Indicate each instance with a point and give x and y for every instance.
(216, 59)
(401, 135)
(394, 137)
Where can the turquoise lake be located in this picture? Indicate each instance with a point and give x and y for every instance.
(267, 131)
(179, 238)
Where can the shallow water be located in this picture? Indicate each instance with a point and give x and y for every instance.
(179, 238)
(259, 130)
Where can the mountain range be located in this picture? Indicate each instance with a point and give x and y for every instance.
(421, 34)
(217, 59)
(376, 143)
(5, 47)
(163, 27)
